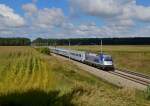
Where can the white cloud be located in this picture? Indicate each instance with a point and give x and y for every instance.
(9, 18)
(34, 1)
(142, 13)
(143, 31)
(120, 20)
(30, 8)
(43, 22)
(120, 17)
(111, 9)
(43, 18)
(49, 17)
(100, 8)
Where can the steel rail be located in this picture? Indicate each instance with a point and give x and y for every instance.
(132, 78)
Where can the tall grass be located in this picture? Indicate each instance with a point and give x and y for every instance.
(147, 93)
(23, 69)
(28, 78)
(87, 90)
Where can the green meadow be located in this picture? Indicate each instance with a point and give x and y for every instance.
(29, 78)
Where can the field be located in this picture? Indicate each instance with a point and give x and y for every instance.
(135, 58)
(30, 78)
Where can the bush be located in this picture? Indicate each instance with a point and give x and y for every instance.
(148, 93)
(44, 50)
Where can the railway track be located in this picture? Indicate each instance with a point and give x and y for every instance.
(135, 73)
(129, 75)
(128, 79)
(133, 76)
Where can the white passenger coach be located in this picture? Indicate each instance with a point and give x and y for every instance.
(102, 61)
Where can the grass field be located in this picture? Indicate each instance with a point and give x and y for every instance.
(135, 58)
(29, 78)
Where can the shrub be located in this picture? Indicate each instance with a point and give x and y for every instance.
(147, 93)
(44, 50)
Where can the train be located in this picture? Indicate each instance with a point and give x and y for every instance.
(101, 61)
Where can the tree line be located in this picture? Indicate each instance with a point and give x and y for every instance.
(15, 41)
(93, 41)
(75, 41)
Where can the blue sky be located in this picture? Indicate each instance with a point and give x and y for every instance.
(144, 2)
(74, 18)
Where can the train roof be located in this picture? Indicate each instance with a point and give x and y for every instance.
(105, 55)
(75, 51)
(64, 49)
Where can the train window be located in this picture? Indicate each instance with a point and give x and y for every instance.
(107, 59)
(73, 54)
(96, 60)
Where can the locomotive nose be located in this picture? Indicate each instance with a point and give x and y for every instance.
(108, 63)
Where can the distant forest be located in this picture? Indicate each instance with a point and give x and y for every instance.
(14, 41)
(93, 41)
(75, 41)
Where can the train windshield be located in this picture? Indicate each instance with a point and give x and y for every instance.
(107, 59)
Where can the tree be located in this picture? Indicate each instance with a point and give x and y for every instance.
(14, 41)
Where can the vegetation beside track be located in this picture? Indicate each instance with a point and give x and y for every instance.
(43, 50)
(30, 78)
(134, 58)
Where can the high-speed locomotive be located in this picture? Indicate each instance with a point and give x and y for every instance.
(101, 61)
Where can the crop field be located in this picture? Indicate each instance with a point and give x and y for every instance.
(135, 58)
(30, 78)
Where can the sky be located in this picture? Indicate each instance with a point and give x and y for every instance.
(74, 18)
